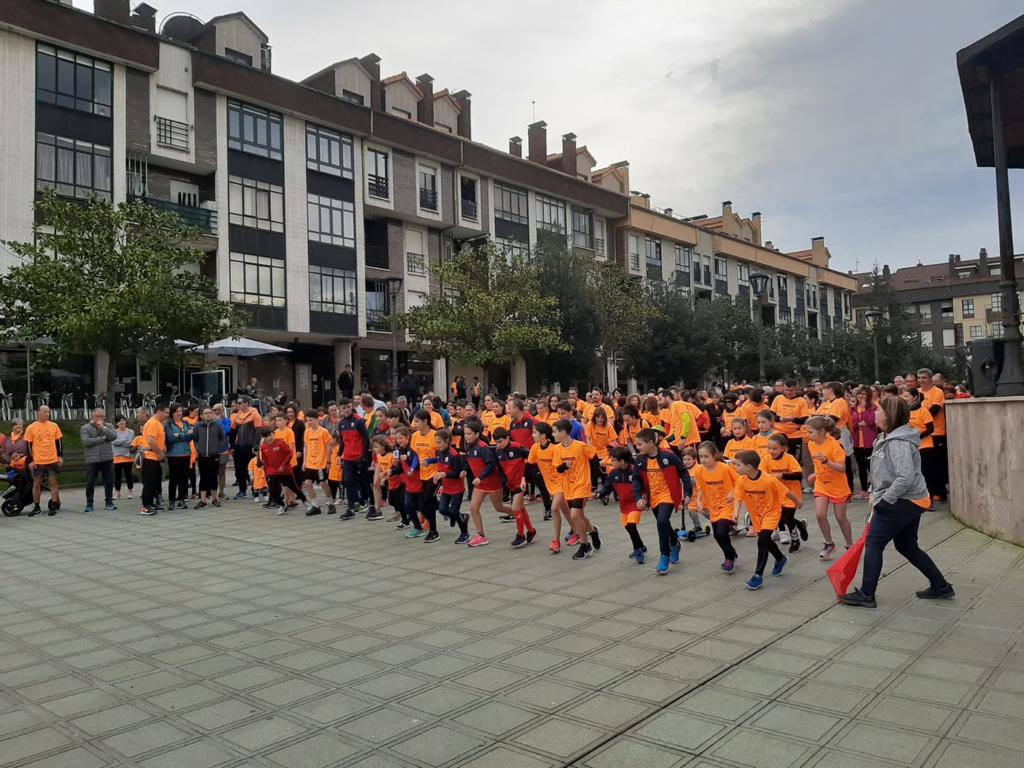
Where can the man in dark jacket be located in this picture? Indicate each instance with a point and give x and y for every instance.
(97, 440)
(346, 382)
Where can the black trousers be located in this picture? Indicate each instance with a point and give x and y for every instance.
(897, 523)
(243, 455)
(428, 504)
(277, 482)
(795, 446)
(208, 467)
(177, 471)
(766, 546)
(930, 470)
(721, 529)
(98, 469)
(666, 533)
(124, 469)
(152, 479)
(863, 456)
(942, 464)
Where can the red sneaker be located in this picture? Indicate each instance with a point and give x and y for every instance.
(555, 546)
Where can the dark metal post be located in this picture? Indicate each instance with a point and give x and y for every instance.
(393, 284)
(1011, 379)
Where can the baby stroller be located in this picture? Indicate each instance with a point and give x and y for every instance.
(18, 494)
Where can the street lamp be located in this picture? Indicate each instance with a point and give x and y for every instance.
(759, 284)
(394, 284)
(874, 317)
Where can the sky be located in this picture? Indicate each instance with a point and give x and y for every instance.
(838, 118)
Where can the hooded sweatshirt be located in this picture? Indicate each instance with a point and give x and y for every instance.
(896, 466)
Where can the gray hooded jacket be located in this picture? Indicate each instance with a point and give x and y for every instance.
(896, 466)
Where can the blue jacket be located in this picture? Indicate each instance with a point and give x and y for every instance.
(178, 438)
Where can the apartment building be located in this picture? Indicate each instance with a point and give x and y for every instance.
(951, 303)
(712, 257)
(322, 203)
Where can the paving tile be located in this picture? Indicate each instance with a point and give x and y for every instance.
(853, 675)
(681, 730)
(145, 738)
(183, 698)
(906, 713)
(496, 718)
(626, 751)
(610, 711)
(111, 719)
(831, 698)
(749, 748)
(723, 705)
(782, 718)
(201, 754)
(546, 694)
(18, 748)
(78, 703)
(438, 745)
(382, 725)
(315, 752)
(77, 757)
(754, 681)
(504, 757)
(221, 714)
(931, 689)
(332, 707)
(257, 735)
(885, 743)
(390, 685)
(559, 737)
(440, 699)
(990, 731)
(954, 755)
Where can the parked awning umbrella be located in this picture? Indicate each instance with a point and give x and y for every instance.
(238, 346)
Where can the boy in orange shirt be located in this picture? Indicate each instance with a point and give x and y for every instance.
(829, 479)
(571, 459)
(764, 495)
(697, 525)
(257, 480)
(45, 457)
(714, 482)
(786, 468)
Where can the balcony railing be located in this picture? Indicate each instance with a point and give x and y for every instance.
(634, 262)
(171, 133)
(377, 257)
(599, 245)
(416, 263)
(469, 209)
(378, 320)
(428, 199)
(378, 186)
(202, 218)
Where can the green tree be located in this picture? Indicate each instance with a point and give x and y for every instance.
(491, 310)
(118, 278)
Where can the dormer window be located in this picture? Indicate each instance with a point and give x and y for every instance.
(238, 57)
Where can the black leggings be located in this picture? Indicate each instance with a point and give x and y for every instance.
(428, 504)
(277, 482)
(177, 472)
(863, 466)
(208, 466)
(634, 536)
(849, 472)
(721, 529)
(533, 474)
(124, 468)
(764, 546)
(667, 538)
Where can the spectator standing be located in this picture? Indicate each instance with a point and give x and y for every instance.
(346, 382)
(45, 458)
(154, 445)
(123, 459)
(98, 441)
(179, 457)
(209, 439)
(862, 425)
(245, 425)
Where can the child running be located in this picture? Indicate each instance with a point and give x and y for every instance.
(697, 523)
(829, 480)
(257, 481)
(572, 460)
(381, 458)
(406, 465)
(511, 459)
(715, 481)
(763, 495)
(452, 479)
(740, 441)
(625, 481)
(662, 474)
(276, 455)
(784, 466)
(316, 448)
(486, 480)
(541, 458)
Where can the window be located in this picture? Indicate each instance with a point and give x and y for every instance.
(328, 152)
(599, 236)
(947, 310)
(684, 255)
(634, 253)
(255, 204)
(926, 338)
(403, 112)
(653, 250)
(948, 337)
(331, 221)
(351, 96)
(332, 290)
(74, 81)
(997, 302)
(238, 57)
(964, 273)
(743, 273)
(428, 188)
(995, 271)
(975, 332)
(512, 249)
(925, 311)
(377, 176)
(967, 305)
(582, 229)
(257, 280)
(785, 315)
(721, 269)
(254, 130)
(707, 270)
(550, 214)
(74, 168)
(416, 263)
(996, 330)
(511, 204)
(467, 195)
(783, 285)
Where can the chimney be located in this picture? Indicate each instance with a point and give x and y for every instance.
(515, 146)
(983, 255)
(885, 271)
(144, 17)
(465, 125)
(371, 63)
(112, 10)
(769, 245)
(425, 107)
(537, 138)
(569, 154)
(726, 208)
(668, 211)
(755, 221)
(958, 258)
(819, 256)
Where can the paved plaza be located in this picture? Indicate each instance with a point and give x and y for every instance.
(233, 638)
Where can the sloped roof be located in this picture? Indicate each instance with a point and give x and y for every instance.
(243, 17)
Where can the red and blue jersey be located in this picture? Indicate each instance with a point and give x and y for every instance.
(628, 486)
(483, 466)
(676, 477)
(452, 465)
(355, 442)
(407, 463)
(521, 432)
(512, 462)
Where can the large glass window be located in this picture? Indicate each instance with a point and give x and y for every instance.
(947, 309)
(511, 204)
(550, 214)
(331, 221)
(332, 290)
(255, 204)
(743, 273)
(653, 247)
(73, 168)
(721, 269)
(328, 151)
(254, 130)
(257, 280)
(968, 307)
(997, 302)
(512, 249)
(582, 229)
(72, 80)
(377, 176)
(428, 188)
(684, 256)
(378, 306)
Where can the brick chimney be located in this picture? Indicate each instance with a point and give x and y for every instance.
(755, 221)
(465, 125)
(885, 271)
(726, 208)
(144, 17)
(819, 256)
(983, 256)
(371, 63)
(569, 154)
(113, 10)
(515, 146)
(537, 138)
(425, 107)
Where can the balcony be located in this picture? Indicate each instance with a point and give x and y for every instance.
(428, 199)
(202, 218)
(634, 262)
(171, 133)
(599, 245)
(378, 186)
(469, 209)
(378, 320)
(377, 257)
(416, 263)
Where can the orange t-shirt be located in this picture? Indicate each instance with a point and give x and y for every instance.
(761, 443)
(589, 408)
(734, 446)
(498, 421)
(935, 396)
(839, 410)
(828, 481)
(575, 481)
(285, 433)
(763, 497)
(426, 448)
(684, 422)
(920, 418)
(544, 458)
(259, 477)
(384, 461)
(43, 437)
(787, 464)
(315, 444)
(786, 408)
(600, 438)
(333, 465)
(154, 428)
(715, 487)
(658, 491)
(749, 411)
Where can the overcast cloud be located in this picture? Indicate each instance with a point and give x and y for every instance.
(841, 118)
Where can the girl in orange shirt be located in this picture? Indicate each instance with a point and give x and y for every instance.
(829, 479)
(713, 483)
(600, 434)
(740, 440)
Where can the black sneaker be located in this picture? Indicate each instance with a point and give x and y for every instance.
(794, 544)
(942, 593)
(314, 510)
(374, 514)
(54, 507)
(803, 529)
(858, 599)
(348, 514)
(547, 515)
(432, 536)
(583, 552)
(595, 537)
(331, 508)
(34, 511)
(507, 518)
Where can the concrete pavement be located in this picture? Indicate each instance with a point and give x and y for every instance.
(233, 638)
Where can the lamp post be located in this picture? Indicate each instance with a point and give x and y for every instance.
(874, 317)
(759, 284)
(394, 284)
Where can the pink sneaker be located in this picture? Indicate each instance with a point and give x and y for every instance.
(478, 541)
(573, 540)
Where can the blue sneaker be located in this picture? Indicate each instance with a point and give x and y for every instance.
(110, 507)
(755, 582)
(681, 534)
(780, 566)
(638, 555)
(662, 567)
(87, 510)
(415, 533)
(463, 538)
(674, 557)
(239, 495)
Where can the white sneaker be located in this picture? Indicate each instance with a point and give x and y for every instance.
(257, 500)
(281, 511)
(827, 551)
(775, 535)
(783, 537)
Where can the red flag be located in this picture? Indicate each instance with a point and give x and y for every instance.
(842, 571)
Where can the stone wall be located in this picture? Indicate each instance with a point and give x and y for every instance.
(986, 464)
